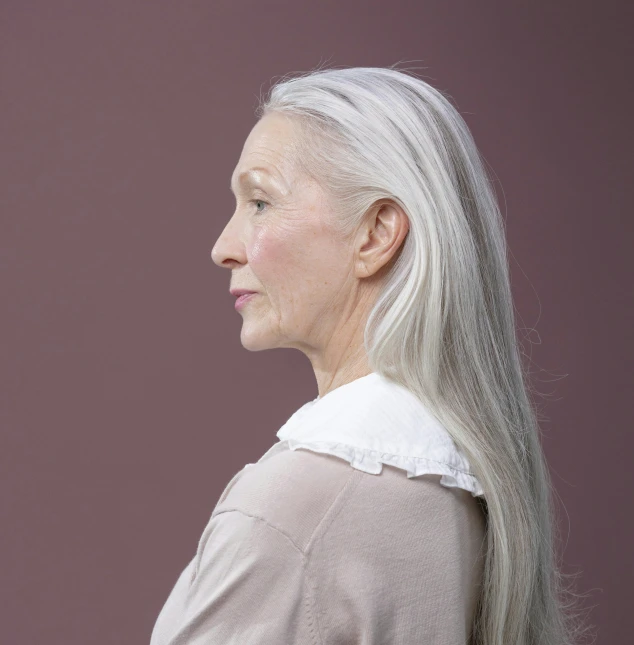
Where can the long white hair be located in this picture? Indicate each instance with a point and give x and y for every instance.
(444, 325)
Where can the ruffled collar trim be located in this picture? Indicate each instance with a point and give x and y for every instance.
(373, 421)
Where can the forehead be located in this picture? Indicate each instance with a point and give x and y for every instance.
(268, 152)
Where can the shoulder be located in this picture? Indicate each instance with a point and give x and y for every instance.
(292, 491)
(414, 512)
(409, 548)
(305, 494)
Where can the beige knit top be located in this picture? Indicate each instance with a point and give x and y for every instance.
(360, 526)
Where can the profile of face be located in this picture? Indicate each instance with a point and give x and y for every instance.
(312, 286)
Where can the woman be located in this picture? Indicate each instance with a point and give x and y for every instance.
(410, 501)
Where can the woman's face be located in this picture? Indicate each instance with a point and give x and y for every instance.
(279, 244)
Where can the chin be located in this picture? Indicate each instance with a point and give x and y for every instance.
(255, 342)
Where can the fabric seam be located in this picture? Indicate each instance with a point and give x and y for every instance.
(261, 519)
(349, 487)
(309, 600)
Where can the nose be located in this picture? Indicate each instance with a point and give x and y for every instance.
(228, 249)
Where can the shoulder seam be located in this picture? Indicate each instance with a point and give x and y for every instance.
(315, 631)
(352, 480)
(264, 521)
(351, 483)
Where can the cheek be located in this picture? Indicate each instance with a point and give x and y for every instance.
(269, 254)
(289, 262)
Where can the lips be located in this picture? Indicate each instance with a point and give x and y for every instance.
(240, 292)
(245, 297)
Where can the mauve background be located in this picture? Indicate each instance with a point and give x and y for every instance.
(128, 401)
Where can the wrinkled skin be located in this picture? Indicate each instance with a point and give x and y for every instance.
(314, 288)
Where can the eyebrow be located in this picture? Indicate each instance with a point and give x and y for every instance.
(249, 176)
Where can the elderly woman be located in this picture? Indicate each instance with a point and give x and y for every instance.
(409, 502)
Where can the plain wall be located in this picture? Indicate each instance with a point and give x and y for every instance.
(128, 401)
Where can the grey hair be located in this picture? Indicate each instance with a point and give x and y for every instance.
(443, 325)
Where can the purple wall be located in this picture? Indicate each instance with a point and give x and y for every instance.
(123, 377)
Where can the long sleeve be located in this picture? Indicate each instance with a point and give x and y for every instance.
(248, 587)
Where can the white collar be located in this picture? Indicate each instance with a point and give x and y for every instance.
(372, 421)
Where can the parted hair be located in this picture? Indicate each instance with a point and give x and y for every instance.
(444, 324)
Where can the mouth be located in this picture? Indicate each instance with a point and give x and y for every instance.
(240, 292)
(244, 298)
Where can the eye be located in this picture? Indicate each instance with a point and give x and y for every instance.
(258, 202)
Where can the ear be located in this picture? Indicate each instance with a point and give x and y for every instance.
(381, 236)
